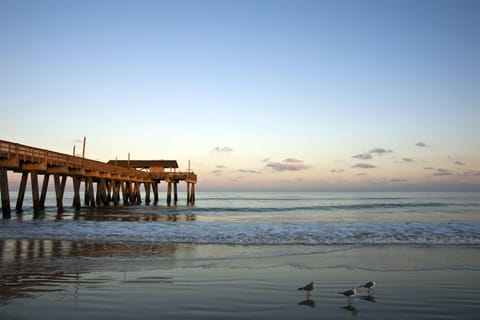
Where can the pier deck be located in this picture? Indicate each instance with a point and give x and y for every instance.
(114, 180)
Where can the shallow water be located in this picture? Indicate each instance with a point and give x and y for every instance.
(268, 218)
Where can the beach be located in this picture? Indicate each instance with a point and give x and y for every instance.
(43, 279)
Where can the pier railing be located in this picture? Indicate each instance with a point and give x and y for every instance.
(17, 156)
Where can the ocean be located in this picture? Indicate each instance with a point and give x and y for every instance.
(265, 218)
(242, 255)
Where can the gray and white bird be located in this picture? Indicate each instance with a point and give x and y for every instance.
(308, 288)
(349, 293)
(370, 285)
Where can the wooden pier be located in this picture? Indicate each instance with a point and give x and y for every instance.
(116, 181)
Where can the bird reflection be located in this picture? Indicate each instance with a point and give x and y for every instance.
(351, 308)
(308, 302)
(369, 298)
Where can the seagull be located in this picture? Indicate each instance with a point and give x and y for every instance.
(349, 293)
(370, 285)
(309, 287)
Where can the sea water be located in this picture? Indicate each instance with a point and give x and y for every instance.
(264, 218)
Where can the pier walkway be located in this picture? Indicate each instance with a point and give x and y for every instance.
(105, 183)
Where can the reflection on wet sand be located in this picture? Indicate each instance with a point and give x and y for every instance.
(307, 302)
(29, 267)
(28, 285)
(369, 298)
(350, 307)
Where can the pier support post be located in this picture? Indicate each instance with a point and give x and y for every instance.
(169, 193)
(192, 195)
(43, 195)
(155, 192)
(175, 193)
(6, 211)
(188, 193)
(137, 194)
(76, 192)
(59, 190)
(21, 191)
(147, 192)
(91, 194)
(35, 194)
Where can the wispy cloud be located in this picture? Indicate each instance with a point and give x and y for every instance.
(337, 170)
(364, 166)
(380, 151)
(249, 171)
(443, 172)
(289, 164)
(422, 144)
(217, 172)
(407, 159)
(221, 167)
(459, 163)
(429, 168)
(398, 180)
(471, 173)
(363, 156)
(222, 149)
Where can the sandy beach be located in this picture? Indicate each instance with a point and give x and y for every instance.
(57, 280)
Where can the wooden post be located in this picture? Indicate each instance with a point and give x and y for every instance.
(43, 195)
(193, 194)
(21, 191)
(169, 193)
(76, 192)
(91, 194)
(59, 190)
(188, 193)
(138, 195)
(6, 211)
(124, 192)
(147, 192)
(35, 194)
(175, 194)
(86, 194)
(155, 192)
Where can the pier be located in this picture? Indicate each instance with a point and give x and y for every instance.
(113, 182)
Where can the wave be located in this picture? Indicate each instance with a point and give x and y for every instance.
(371, 206)
(252, 233)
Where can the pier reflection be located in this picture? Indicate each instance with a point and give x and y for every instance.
(32, 267)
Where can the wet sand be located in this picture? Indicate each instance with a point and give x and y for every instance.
(43, 279)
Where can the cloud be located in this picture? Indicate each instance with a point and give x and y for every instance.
(336, 170)
(266, 160)
(407, 159)
(363, 156)
(222, 149)
(217, 172)
(459, 163)
(289, 164)
(249, 171)
(429, 168)
(364, 166)
(398, 180)
(442, 172)
(379, 151)
(221, 167)
(422, 144)
(292, 160)
(362, 174)
(471, 173)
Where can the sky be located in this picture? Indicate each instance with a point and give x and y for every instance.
(258, 95)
